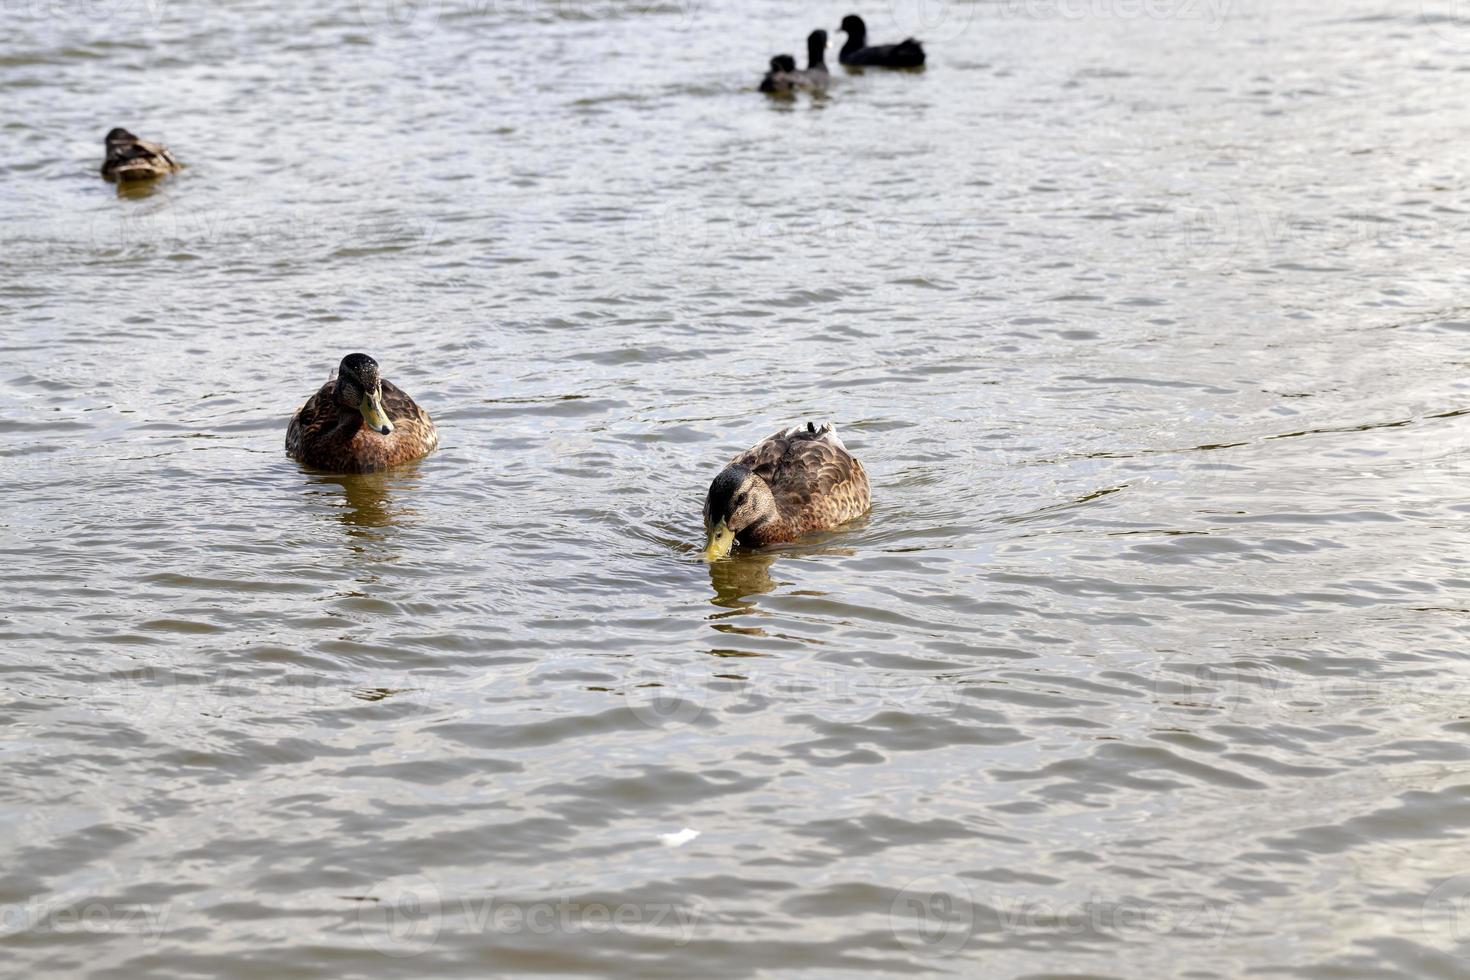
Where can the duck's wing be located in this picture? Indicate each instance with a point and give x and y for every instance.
(908, 53)
(139, 155)
(809, 470)
(317, 414)
(411, 421)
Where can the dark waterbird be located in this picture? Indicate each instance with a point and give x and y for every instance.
(816, 75)
(129, 158)
(359, 422)
(907, 53)
(782, 76)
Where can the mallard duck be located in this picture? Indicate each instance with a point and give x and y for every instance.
(129, 158)
(801, 479)
(782, 76)
(907, 53)
(815, 76)
(359, 422)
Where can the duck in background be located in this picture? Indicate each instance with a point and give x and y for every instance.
(781, 79)
(129, 158)
(815, 76)
(856, 51)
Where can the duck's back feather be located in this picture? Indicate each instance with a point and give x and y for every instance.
(138, 159)
(907, 53)
(817, 483)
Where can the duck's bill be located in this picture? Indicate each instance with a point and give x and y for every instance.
(373, 414)
(718, 542)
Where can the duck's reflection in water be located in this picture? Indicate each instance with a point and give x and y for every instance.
(736, 578)
(368, 504)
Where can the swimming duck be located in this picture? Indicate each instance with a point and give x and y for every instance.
(815, 76)
(782, 76)
(129, 158)
(907, 53)
(799, 480)
(359, 422)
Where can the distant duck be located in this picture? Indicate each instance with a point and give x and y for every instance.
(907, 53)
(129, 158)
(359, 422)
(799, 480)
(782, 76)
(815, 76)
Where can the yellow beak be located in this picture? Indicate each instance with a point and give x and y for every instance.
(373, 414)
(718, 542)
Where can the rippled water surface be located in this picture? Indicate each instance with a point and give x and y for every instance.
(1149, 322)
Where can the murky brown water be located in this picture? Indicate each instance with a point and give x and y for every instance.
(1150, 326)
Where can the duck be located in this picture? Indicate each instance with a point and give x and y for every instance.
(782, 76)
(359, 422)
(799, 480)
(907, 53)
(129, 158)
(815, 76)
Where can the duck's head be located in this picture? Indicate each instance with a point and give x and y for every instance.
(738, 500)
(816, 47)
(783, 63)
(853, 27)
(360, 389)
(119, 135)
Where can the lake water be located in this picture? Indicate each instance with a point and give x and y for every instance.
(1148, 320)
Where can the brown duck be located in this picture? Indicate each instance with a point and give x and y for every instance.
(359, 422)
(801, 479)
(129, 158)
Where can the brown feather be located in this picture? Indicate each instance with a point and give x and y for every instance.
(817, 483)
(137, 160)
(324, 435)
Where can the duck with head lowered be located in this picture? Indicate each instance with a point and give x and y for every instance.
(782, 76)
(129, 158)
(800, 480)
(856, 51)
(359, 422)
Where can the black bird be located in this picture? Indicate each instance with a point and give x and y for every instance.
(816, 75)
(907, 53)
(782, 76)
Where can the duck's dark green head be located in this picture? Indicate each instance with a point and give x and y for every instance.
(738, 500)
(119, 135)
(783, 63)
(360, 388)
